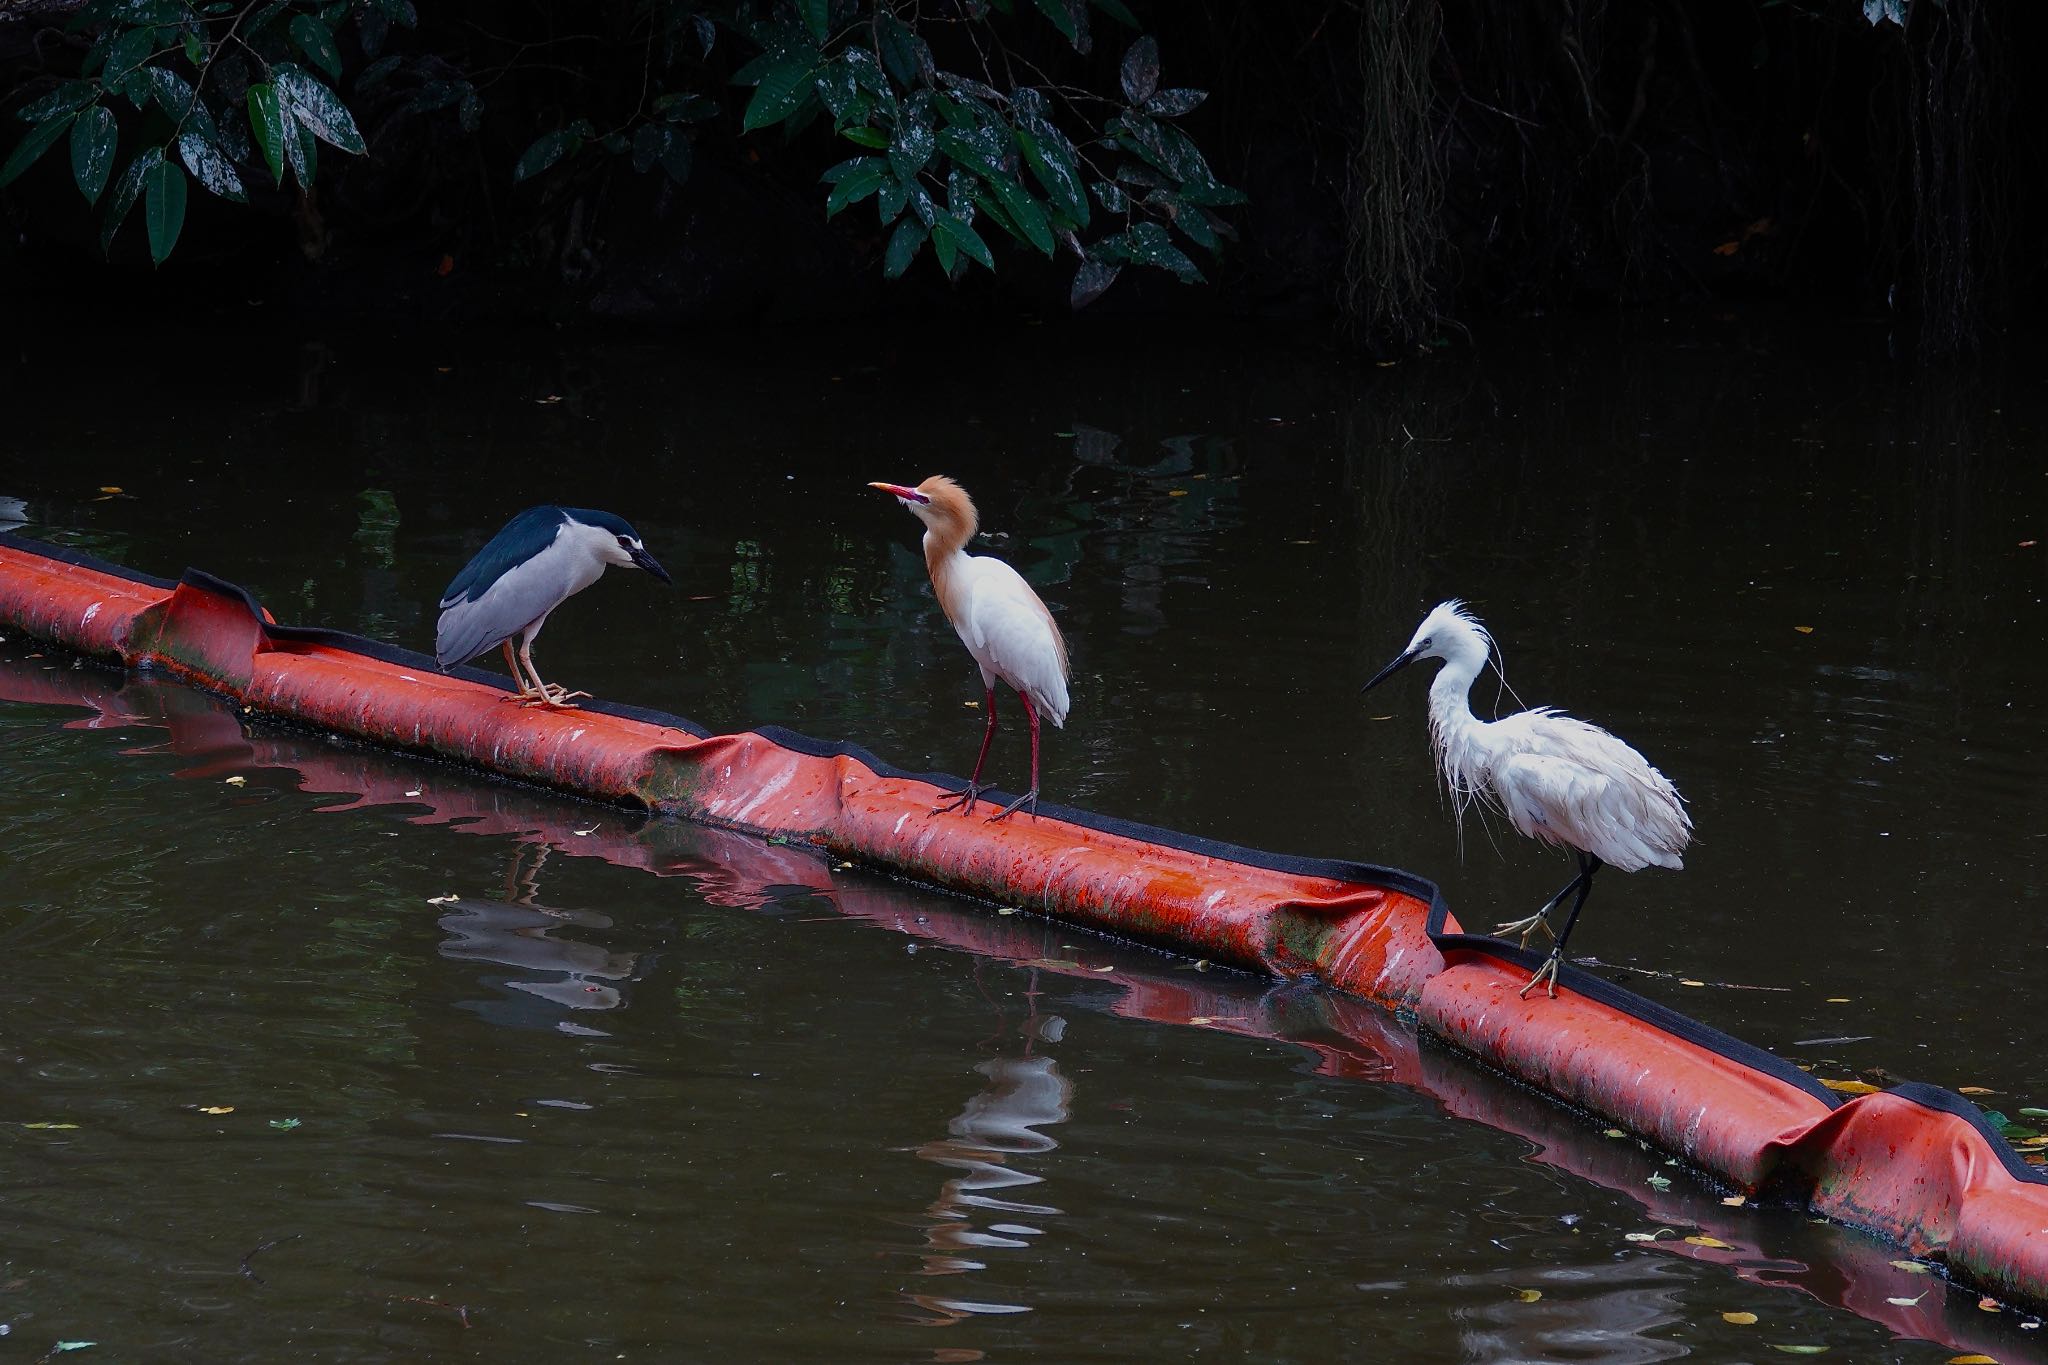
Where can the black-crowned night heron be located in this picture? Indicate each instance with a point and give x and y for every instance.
(542, 558)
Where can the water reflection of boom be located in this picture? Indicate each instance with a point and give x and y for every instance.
(984, 1142)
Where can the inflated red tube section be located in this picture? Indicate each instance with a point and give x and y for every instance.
(1916, 1164)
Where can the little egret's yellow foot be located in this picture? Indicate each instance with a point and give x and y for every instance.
(1527, 927)
(1029, 798)
(962, 800)
(1546, 975)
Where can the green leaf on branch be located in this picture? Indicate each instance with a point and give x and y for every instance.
(951, 230)
(32, 145)
(318, 108)
(267, 121)
(906, 56)
(866, 137)
(783, 87)
(1090, 281)
(1117, 10)
(547, 149)
(1070, 17)
(92, 151)
(1141, 70)
(314, 39)
(903, 247)
(650, 140)
(72, 95)
(129, 51)
(126, 191)
(1173, 103)
(817, 15)
(1024, 213)
(163, 209)
(910, 151)
(863, 177)
(1148, 244)
(1052, 163)
(301, 151)
(212, 167)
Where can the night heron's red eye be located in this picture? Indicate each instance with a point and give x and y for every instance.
(625, 542)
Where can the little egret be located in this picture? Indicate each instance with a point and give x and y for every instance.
(997, 616)
(1557, 779)
(542, 558)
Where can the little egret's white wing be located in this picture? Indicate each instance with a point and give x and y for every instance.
(1570, 783)
(1011, 634)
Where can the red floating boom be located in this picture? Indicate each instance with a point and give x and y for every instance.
(1916, 1164)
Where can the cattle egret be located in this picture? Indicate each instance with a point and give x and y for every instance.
(542, 558)
(1557, 779)
(997, 616)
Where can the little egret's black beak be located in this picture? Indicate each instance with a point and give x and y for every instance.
(1390, 670)
(644, 560)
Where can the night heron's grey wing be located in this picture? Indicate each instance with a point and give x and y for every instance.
(506, 588)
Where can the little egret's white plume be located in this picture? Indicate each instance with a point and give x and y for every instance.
(1556, 779)
(997, 616)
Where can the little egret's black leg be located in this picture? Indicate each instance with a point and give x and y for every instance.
(1541, 919)
(1548, 971)
(964, 799)
(1029, 798)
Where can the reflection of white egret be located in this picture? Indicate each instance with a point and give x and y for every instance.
(994, 1127)
(1556, 779)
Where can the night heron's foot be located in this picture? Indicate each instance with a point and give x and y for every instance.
(1545, 975)
(1029, 798)
(962, 800)
(1527, 927)
(554, 697)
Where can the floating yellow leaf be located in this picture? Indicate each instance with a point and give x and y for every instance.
(1906, 1303)
(1110, 968)
(1975, 1090)
(1987, 1304)
(110, 488)
(1913, 1267)
(1614, 1132)
(1800, 1350)
(1176, 492)
(49, 1125)
(1714, 1242)
(1838, 1000)
(1804, 630)
(1735, 1201)
(1645, 1236)
(1528, 1295)
(236, 781)
(1973, 1360)
(1684, 982)
(1851, 1087)
(216, 1109)
(1739, 1319)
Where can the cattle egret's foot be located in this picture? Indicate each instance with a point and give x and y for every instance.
(962, 800)
(1029, 798)
(1527, 927)
(1546, 974)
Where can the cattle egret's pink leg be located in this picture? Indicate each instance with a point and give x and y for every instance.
(964, 799)
(1029, 798)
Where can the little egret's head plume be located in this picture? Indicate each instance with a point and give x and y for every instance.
(1556, 779)
(997, 616)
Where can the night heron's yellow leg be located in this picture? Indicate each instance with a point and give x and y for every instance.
(526, 690)
(548, 694)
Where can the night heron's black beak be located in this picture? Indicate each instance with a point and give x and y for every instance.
(644, 560)
(1390, 670)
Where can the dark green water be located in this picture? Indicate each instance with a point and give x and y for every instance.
(760, 1108)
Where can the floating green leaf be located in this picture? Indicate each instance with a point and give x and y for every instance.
(285, 1125)
(163, 207)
